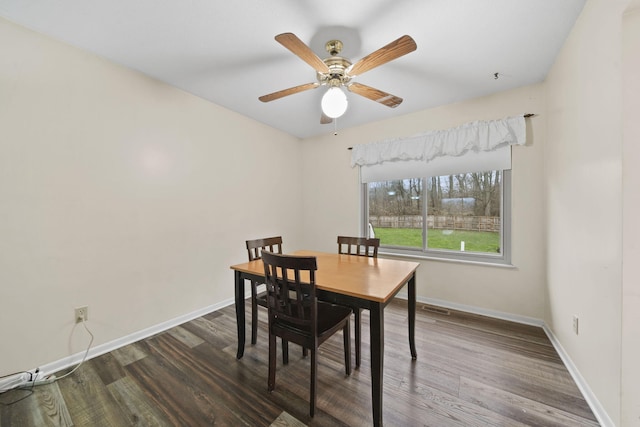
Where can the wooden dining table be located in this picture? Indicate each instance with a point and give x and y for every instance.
(355, 281)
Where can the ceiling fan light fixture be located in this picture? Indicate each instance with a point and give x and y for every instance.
(334, 102)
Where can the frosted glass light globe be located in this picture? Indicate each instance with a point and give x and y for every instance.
(334, 102)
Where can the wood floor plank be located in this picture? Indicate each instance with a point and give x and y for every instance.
(88, 400)
(188, 338)
(422, 405)
(53, 405)
(218, 379)
(108, 368)
(519, 408)
(212, 331)
(286, 420)
(498, 341)
(171, 391)
(129, 354)
(44, 407)
(135, 404)
(525, 380)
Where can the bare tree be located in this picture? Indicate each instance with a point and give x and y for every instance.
(486, 186)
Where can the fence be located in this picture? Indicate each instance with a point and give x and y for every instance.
(447, 222)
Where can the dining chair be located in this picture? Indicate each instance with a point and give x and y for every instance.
(296, 315)
(360, 246)
(254, 249)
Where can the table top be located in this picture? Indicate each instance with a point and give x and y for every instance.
(374, 279)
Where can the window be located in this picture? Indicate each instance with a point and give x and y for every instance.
(463, 216)
(443, 194)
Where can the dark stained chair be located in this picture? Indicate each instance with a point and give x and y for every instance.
(296, 315)
(360, 246)
(254, 249)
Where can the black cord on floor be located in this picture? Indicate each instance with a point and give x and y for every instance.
(6, 396)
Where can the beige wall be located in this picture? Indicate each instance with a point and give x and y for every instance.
(584, 192)
(630, 214)
(331, 203)
(123, 194)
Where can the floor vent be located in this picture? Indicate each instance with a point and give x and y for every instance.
(434, 309)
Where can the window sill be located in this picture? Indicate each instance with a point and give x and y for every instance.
(427, 257)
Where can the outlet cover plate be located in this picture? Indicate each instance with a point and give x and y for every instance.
(81, 313)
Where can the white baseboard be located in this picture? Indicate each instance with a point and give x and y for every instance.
(101, 349)
(482, 311)
(601, 415)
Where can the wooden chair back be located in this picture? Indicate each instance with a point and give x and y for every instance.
(361, 246)
(256, 246)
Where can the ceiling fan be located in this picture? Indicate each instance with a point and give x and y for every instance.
(336, 72)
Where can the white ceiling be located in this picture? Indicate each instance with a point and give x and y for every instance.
(225, 52)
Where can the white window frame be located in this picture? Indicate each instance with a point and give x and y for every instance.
(502, 259)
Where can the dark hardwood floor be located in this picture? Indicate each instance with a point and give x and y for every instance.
(471, 371)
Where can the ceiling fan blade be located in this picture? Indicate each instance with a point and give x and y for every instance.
(286, 92)
(325, 120)
(304, 52)
(375, 94)
(393, 50)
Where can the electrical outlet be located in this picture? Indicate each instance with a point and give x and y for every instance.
(82, 313)
(575, 324)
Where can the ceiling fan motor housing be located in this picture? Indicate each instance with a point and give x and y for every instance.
(337, 71)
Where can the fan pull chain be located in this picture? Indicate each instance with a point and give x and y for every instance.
(335, 127)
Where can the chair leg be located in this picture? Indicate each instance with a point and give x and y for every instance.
(285, 352)
(313, 386)
(357, 326)
(254, 314)
(347, 348)
(271, 380)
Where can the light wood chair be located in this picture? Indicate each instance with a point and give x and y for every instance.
(296, 315)
(360, 246)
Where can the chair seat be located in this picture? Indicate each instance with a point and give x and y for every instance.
(328, 316)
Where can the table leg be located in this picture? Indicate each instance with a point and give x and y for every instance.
(412, 315)
(239, 286)
(376, 331)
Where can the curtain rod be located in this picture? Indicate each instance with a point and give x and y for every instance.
(524, 115)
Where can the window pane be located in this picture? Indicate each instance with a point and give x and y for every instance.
(395, 212)
(459, 215)
(464, 212)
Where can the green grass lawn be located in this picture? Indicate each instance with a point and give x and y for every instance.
(474, 241)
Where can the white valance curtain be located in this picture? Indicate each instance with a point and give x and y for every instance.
(472, 147)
